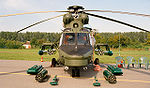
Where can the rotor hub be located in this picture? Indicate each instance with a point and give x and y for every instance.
(75, 8)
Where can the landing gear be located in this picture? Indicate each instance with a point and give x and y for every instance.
(75, 72)
(54, 62)
(96, 62)
(133, 65)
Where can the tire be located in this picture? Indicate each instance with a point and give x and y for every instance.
(96, 61)
(77, 72)
(54, 62)
(133, 65)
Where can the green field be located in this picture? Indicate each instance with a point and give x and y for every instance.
(24, 54)
(32, 55)
(124, 53)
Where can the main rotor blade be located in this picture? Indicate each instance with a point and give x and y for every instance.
(38, 23)
(110, 19)
(128, 13)
(30, 13)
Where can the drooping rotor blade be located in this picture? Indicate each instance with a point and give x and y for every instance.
(29, 13)
(110, 19)
(128, 13)
(38, 23)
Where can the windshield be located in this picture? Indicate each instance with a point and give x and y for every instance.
(69, 39)
(82, 39)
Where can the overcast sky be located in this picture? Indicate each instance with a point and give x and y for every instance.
(15, 23)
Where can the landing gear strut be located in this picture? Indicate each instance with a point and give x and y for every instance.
(75, 72)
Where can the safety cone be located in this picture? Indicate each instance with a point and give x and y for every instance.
(42, 59)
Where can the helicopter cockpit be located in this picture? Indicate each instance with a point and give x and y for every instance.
(75, 39)
(79, 38)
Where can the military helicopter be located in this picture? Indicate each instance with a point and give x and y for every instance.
(77, 42)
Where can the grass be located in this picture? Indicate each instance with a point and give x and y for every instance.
(136, 53)
(32, 55)
(24, 54)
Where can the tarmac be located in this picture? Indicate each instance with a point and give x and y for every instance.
(13, 75)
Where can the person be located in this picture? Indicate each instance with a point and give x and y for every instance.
(96, 64)
(66, 39)
(69, 39)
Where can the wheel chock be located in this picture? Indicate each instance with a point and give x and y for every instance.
(35, 69)
(96, 83)
(55, 81)
(115, 70)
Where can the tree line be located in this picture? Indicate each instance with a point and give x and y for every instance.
(127, 39)
(16, 40)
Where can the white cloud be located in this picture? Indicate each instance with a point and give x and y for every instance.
(22, 5)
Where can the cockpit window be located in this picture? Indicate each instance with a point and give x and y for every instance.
(69, 39)
(82, 39)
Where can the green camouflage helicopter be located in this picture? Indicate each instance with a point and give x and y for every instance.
(76, 46)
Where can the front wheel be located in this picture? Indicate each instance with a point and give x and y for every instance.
(75, 72)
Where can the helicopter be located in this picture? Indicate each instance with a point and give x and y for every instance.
(77, 43)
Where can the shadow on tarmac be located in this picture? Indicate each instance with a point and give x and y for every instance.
(84, 73)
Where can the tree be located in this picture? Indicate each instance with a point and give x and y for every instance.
(2, 43)
(13, 44)
(34, 42)
(148, 39)
(99, 38)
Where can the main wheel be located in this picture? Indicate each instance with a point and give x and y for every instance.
(54, 62)
(75, 72)
(140, 65)
(96, 61)
(133, 65)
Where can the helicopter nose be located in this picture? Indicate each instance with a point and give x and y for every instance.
(76, 51)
